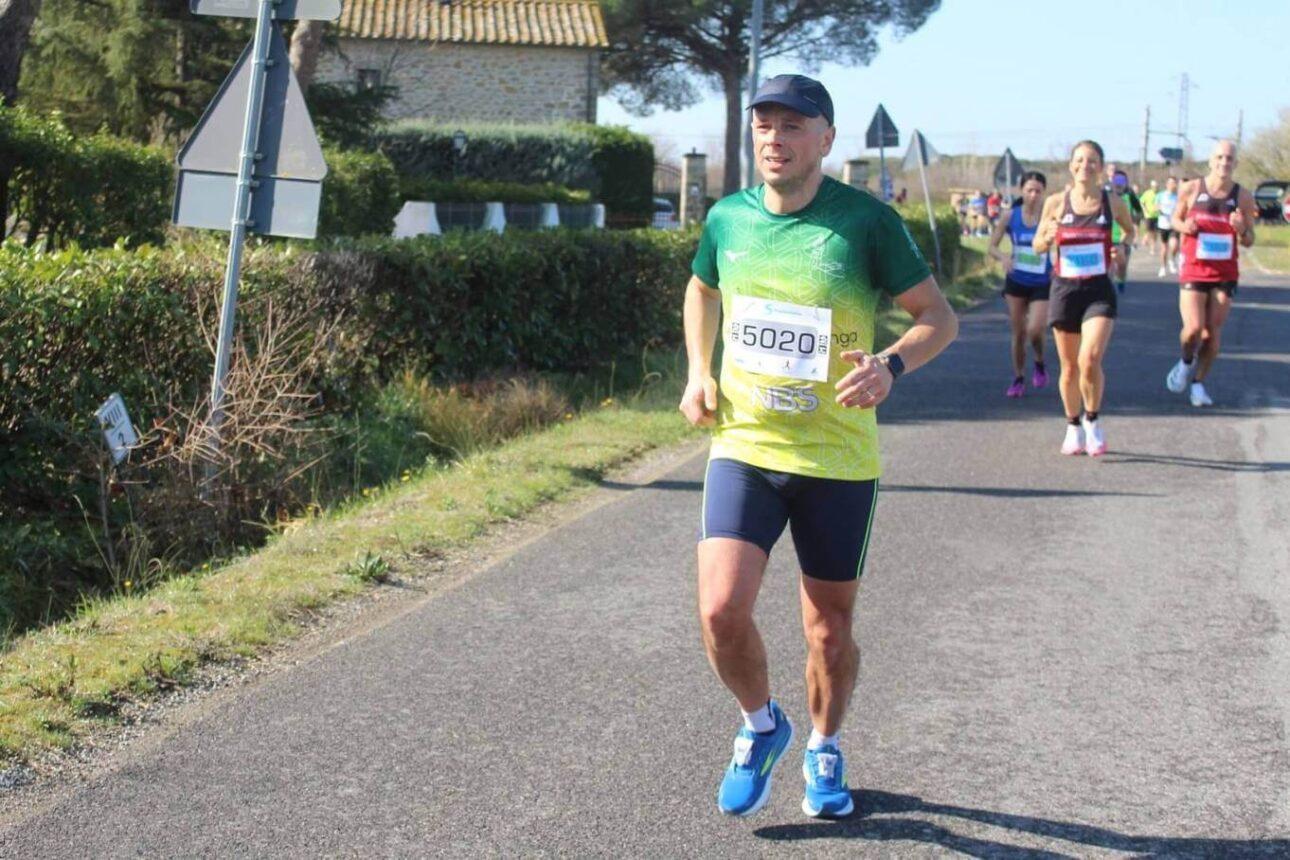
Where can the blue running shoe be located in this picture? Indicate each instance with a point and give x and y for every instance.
(827, 795)
(745, 788)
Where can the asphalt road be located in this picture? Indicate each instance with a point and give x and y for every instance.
(1062, 657)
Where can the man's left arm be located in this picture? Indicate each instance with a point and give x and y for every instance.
(935, 327)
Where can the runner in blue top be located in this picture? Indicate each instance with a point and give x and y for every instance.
(1025, 287)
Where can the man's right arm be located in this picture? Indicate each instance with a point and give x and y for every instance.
(702, 315)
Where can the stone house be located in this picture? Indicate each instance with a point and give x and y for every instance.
(473, 60)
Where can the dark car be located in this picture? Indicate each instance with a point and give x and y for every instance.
(1268, 198)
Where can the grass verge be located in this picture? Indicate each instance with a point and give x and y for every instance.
(59, 683)
(1272, 248)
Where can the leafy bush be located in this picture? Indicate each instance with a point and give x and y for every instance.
(615, 165)
(486, 191)
(947, 230)
(360, 194)
(94, 190)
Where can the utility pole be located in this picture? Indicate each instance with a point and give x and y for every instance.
(1146, 144)
(754, 76)
(1184, 94)
(1240, 126)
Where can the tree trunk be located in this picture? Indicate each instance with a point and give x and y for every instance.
(732, 83)
(306, 39)
(16, 18)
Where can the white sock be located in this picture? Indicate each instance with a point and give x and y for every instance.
(818, 740)
(760, 720)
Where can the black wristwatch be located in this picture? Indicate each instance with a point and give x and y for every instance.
(893, 362)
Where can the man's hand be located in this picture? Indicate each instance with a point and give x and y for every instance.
(699, 402)
(867, 385)
(1238, 222)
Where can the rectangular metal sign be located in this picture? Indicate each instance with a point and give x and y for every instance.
(287, 10)
(118, 432)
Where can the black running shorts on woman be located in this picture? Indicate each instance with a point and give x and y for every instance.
(830, 518)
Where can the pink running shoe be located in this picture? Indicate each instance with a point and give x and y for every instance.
(1017, 388)
(1096, 439)
(1074, 441)
(1040, 379)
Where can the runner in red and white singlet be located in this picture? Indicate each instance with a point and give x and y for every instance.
(1215, 217)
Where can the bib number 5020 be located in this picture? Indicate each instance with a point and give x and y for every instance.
(780, 338)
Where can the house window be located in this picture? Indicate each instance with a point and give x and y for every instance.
(368, 79)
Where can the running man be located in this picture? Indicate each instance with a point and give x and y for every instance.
(1150, 215)
(1082, 307)
(1214, 215)
(790, 274)
(1026, 284)
(1167, 203)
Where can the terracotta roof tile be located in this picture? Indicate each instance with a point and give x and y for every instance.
(556, 23)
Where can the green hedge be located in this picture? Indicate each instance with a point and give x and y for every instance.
(615, 165)
(360, 194)
(94, 190)
(947, 230)
(485, 191)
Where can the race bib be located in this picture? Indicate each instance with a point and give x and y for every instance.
(1083, 261)
(1025, 259)
(780, 338)
(1214, 246)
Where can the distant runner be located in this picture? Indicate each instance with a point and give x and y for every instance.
(1167, 203)
(1150, 216)
(1120, 188)
(1214, 216)
(1026, 284)
(790, 274)
(1082, 307)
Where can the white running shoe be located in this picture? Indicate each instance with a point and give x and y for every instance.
(1199, 396)
(1074, 442)
(1174, 263)
(1096, 446)
(1161, 273)
(1178, 378)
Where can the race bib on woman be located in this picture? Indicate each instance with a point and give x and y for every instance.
(780, 338)
(1214, 246)
(1027, 260)
(1083, 261)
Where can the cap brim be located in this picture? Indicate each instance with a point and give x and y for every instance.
(788, 100)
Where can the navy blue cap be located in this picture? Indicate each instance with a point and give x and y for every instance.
(805, 95)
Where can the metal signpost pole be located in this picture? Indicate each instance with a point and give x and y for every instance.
(754, 76)
(241, 209)
(927, 196)
(882, 159)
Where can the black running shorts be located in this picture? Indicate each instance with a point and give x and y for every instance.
(1022, 291)
(1075, 300)
(1228, 287)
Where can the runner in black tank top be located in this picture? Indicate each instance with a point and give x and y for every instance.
(1082, 306)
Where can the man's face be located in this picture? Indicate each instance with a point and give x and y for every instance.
(1171, 184)
(1222, 161)
(1110, 171)
(789, 146)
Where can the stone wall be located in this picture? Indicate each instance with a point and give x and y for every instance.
(487, 83)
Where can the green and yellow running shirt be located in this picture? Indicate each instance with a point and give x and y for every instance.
(797, 291)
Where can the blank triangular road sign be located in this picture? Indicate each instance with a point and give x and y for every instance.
(287, 139)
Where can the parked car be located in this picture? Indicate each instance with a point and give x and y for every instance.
(1270, 198)
(665, 214)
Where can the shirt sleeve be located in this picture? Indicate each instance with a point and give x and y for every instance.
(704, 266)
(894, 258)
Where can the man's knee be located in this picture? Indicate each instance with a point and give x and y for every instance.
(829, 639)
(724, 621)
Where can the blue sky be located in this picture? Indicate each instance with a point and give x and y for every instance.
(1039, 75)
